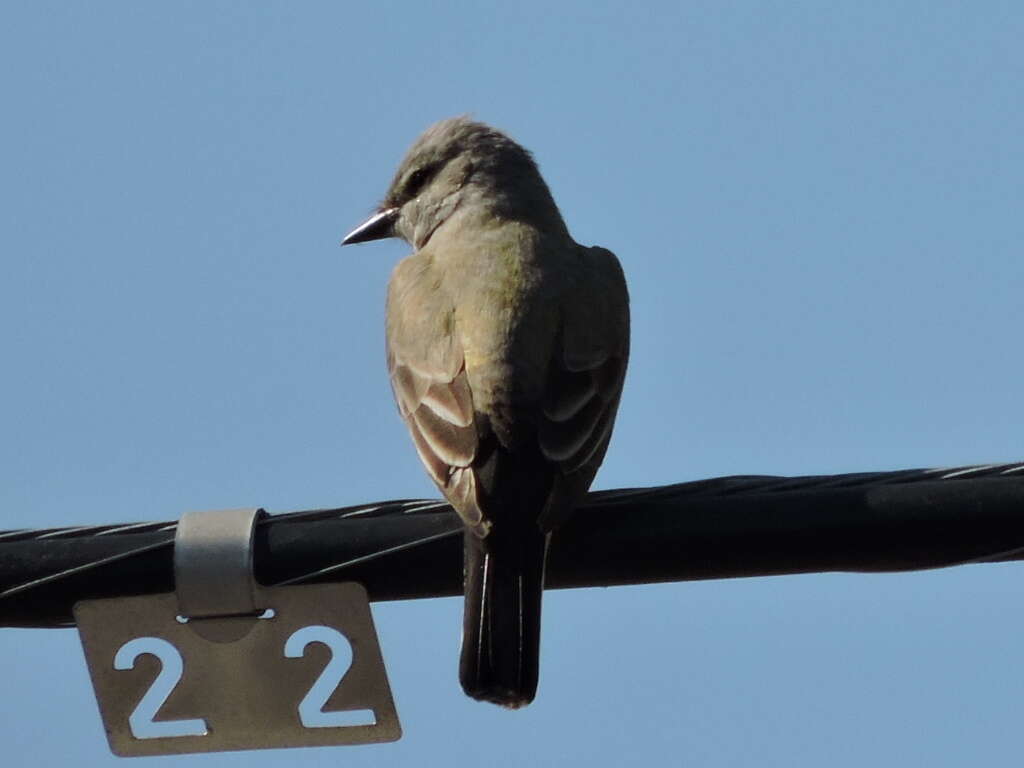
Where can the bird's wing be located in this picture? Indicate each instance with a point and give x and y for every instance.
(428, 376)
(578, 407)
(585, 377)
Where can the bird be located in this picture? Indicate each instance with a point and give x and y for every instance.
(507, 344)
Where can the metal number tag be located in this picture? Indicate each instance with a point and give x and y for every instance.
(307, 673)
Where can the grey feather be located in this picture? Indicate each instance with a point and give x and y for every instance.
(507, 345)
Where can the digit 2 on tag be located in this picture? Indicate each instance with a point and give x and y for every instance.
(308, 673)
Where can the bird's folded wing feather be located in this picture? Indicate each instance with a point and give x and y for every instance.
(585, 380)
(428, 376)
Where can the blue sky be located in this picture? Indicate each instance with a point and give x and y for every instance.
(818, 211)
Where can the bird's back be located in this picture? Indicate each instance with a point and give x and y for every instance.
(537, 325)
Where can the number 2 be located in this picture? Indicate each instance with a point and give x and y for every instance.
(311, 708)
(141, 719)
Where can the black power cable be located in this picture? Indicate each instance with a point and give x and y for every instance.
(709, 529)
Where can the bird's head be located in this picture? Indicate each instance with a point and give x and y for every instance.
(457, 163)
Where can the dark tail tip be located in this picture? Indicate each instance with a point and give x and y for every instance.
(500, 659)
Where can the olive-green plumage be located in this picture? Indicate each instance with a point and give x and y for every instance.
(507, 345)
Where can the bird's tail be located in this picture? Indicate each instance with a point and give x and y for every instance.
(501, 625)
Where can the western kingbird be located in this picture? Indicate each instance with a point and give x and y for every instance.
(507, 344)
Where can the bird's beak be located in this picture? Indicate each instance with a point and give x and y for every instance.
(378, 226)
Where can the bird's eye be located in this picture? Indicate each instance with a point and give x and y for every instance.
(417, 179)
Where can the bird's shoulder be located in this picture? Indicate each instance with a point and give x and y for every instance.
(594, 308)
(420, 319)
(597, 271)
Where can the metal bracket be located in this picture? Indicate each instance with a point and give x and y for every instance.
(214, 583)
